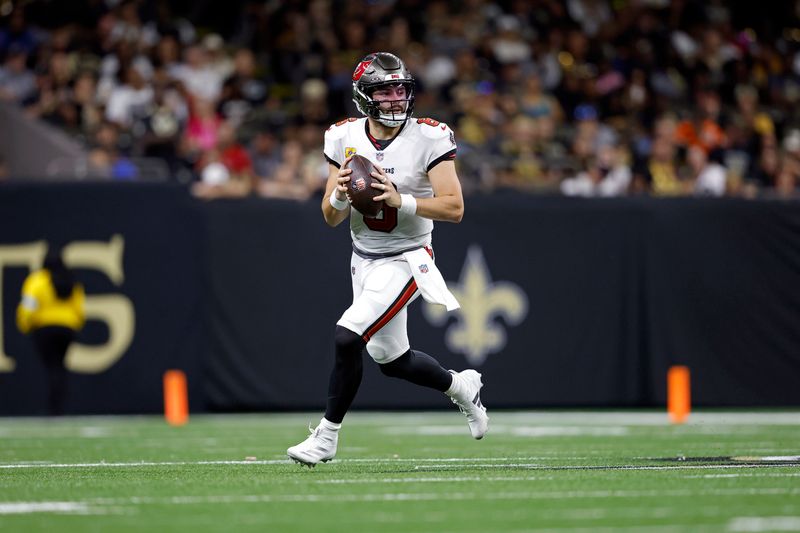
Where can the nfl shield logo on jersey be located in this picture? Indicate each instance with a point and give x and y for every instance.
(379, 156)
(423, 268)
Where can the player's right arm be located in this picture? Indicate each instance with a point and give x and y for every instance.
(337, 185)
(338, 174)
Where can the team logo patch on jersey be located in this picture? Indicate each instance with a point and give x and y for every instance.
(349, 151)
(423, 268)
(379, 156)
(360, 184)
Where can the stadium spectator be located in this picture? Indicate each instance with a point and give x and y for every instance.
(537, 104)
(217, 57)
(17, 33)
(589, 73)
(225, 168)
(520, 144)
(200, 77)
(17, 83)
(168, 55)
(659, 173)
(604, 175)
(233, 155)
(709, 178)
(84, 97)
(215, 180)
(159, 132)
(786, 182)
(703, 128)
(265, 154)
(243, 90)
(291, 178)
(202, 130)
(590, 134)
(130, 100)
(765, 171)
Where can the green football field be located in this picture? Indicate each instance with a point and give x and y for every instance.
(405, 472)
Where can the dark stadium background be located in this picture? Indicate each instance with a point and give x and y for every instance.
(631, 171)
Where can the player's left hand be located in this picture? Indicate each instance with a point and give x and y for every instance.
(389, 194)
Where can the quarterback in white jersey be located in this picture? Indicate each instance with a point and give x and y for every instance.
(392, 261)
(417, 148)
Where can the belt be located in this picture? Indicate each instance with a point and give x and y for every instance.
(382, 255)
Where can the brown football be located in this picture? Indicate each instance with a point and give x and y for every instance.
(359, 189)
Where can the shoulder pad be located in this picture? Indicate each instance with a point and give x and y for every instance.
(433, 129)
(337, 130)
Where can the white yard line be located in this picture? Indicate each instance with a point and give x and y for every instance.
(646, 528)
(122, 505)
(138, 464)
(760, 474)
(133, 464)
(675, 528)
(536, 466)
(514, 430)
(422, 496)
(371, 481)
(592, 418)
(765, 523)
(434, 464)
(42, 507)
(84, 508)
(452, 496)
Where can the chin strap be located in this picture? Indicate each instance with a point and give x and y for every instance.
(392, 123)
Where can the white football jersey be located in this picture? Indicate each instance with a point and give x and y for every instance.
(421, 144)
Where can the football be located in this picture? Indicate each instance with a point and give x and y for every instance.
(359, 189)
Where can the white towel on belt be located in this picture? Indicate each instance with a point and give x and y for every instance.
(429, 280)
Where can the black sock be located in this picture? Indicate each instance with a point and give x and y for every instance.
(346, 374)
(419, 368)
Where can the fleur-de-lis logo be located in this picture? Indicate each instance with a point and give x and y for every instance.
(476, 332)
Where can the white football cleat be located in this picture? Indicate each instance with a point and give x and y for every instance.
(468, 400)
(320, 446)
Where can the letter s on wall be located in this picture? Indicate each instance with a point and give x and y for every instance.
(116, 310)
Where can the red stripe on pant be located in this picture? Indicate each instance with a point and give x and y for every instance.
(396, 307)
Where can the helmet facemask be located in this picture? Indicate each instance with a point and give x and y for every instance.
(390, 112)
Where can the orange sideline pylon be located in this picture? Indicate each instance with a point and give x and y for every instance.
(176, 398)
(679, 399)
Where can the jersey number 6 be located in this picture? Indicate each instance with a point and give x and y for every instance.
(386, 223)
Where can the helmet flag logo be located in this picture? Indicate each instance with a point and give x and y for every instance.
(361, 68)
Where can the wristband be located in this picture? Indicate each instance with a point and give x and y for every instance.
(339, 205)
(408, 205)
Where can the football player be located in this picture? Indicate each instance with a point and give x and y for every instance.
(392, 261)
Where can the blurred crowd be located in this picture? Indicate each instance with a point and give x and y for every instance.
(576, 97)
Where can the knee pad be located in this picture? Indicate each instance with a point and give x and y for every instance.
(348, 343)
(398, 368)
